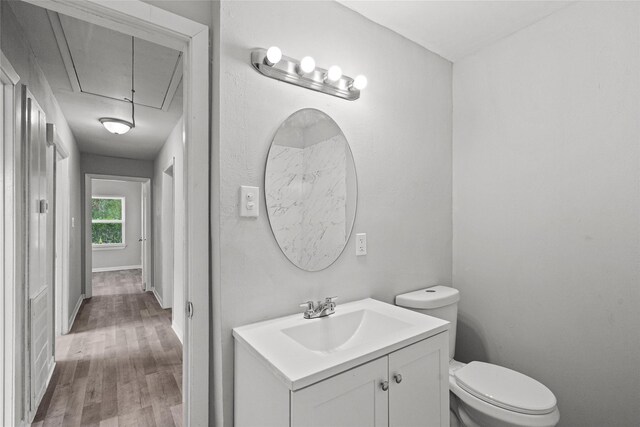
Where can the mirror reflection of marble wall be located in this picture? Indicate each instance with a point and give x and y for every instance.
(310, 189)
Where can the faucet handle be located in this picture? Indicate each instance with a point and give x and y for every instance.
(308, 305)
(330, 299)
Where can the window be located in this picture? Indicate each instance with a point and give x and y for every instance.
(107, 221)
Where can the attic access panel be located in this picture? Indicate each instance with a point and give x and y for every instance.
(102, 64)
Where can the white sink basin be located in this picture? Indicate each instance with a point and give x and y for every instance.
(303, 351)
(346, 331)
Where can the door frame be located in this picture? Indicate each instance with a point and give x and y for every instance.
(156, 25)
(168, 171)
(147, 273)
(88, 194)
(9, 274)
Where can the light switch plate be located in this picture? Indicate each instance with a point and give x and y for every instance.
(361, 244)
(249, 201)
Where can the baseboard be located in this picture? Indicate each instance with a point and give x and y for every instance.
(176, 331)
(157, 297)
(123, 267)
(75, 313)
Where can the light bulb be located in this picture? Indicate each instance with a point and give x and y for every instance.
(334, 73)
(307, 65)
(274, 55)
(360, 82)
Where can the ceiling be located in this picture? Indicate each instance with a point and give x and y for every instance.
(454, 29)
(89, 70)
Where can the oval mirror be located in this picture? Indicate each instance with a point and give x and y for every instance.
(310, 189)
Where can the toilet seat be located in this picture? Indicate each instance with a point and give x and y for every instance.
(487, 414)
(505, 388)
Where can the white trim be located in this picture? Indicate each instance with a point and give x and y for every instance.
(176, 78)
(123, 222)
(176, 331)
(54, 139)
(8, 71)
(88, 246)
(9, 280)
(63, 46)
(108, 247)
(142, 20)
(75, 313)
(118, 268)
(157, 296)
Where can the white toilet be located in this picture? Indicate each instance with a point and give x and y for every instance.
(482, 394)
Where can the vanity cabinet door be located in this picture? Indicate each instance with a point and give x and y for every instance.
(351, 399)
(419, 384)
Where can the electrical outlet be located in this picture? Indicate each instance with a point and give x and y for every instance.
(361, 244)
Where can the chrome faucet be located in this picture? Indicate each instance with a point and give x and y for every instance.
(319, 308)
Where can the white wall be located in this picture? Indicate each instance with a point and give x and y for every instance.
(400, 134)
(173, 148)
(13, 42)
(546, 208)
(131, 254)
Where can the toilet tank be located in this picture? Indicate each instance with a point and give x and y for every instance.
(436, 301)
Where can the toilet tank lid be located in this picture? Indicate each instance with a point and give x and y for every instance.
(433, 297)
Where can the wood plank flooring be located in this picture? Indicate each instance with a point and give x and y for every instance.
(121, 364)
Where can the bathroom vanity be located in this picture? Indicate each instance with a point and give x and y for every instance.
(369, 364)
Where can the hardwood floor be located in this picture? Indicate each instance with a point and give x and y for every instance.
(121, 364)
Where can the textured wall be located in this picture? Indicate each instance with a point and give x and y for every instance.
(132, 253)
(546, 204)
(400, 134)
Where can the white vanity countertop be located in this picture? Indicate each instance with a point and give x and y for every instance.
(364, 330)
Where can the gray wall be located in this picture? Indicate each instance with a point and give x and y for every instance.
(104, 165)
(13, 42)
(131, 254)
(546, 203)
(400, 134)
(172, 148)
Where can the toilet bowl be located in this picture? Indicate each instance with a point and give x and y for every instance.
(484, 394)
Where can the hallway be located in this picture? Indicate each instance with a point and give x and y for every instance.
(121, 364)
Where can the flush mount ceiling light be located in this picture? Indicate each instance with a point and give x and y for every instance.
(271, 63)
(118, 126)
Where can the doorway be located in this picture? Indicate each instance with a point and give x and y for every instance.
(150, 23)
(117, 238)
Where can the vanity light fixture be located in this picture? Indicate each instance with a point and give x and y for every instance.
(271, 63)
(117, 126)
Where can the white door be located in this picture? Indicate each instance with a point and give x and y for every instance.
(419, 384)
(39, 162)
(352, 399)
